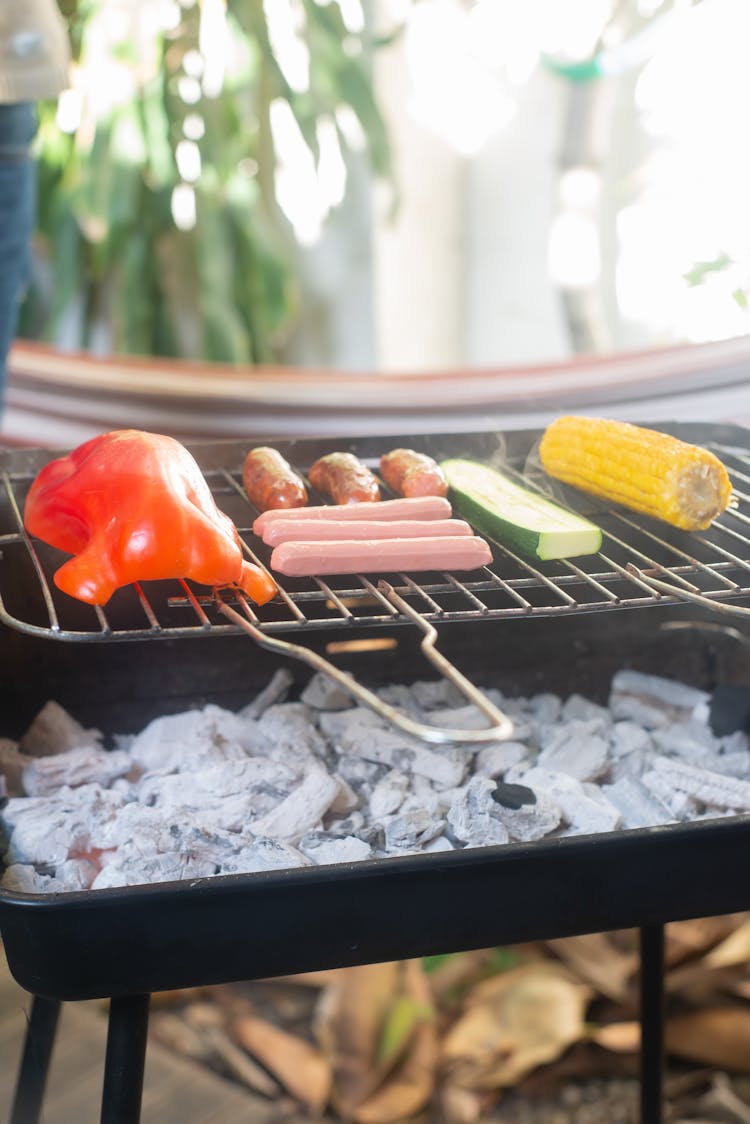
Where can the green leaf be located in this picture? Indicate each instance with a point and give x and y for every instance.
(403, 1016)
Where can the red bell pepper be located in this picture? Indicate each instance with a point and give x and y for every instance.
(133, 506)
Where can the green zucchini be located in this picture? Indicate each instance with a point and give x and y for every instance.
(514, 515)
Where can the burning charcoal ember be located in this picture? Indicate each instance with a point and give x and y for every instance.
(545, 708)
(302, 810)
(409, 831)
(705, 786)
(54, 730)
(495, 759)
(628, 737)
(324, 693)
(289, 730)
(530, 821)
(638, 806)
(577, 748)
(577, 708)
(400, 696)
(26, 879)
(50, 829)
(86, 765)
(735, 764)
(584, 815)
(689, 740)
(248, 776)
(264, 854)
(346, 799)
(437, 845)
(335, 724)
(76, 874)
(434, 694)
(324, 849)
(360, 774)
(682, 806)
(12, 764)
(651, 701)
(473, 815)
(131, 867)
(193, 738)
(445, 767)
(274, 692)
(389, 794)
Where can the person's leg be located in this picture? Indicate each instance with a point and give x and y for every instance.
(17, 218)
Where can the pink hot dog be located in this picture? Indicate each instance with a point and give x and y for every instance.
(344, 556)
(325, 530)
(419, 507)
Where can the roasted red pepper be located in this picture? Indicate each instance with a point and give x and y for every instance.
(133, 506)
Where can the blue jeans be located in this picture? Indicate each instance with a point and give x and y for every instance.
(17, 218)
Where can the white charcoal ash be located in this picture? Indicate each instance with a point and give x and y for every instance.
(85, 765)
(275, 691)
(289, 784)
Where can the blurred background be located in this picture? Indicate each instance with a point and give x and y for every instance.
(394, 186)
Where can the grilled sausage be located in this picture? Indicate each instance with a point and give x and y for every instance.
(331, 530)
(313, 559)
(408, 473)
(271, 482)
(345, 479)
(425, 507)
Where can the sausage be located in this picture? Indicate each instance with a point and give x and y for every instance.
(344, 478)
(425, 507)
(313, 559)
(327, 530)
(408, 473)
(271, 482)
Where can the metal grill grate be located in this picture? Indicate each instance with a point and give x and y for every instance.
(636, 553)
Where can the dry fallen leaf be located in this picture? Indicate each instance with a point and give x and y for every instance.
(349, 1026)
(300, 1067)
(513, 1023)
(410, 1085)
(596, 960)
(717, 1036)
(734, 950)
(620, 1038)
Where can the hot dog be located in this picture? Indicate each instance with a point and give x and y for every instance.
(344, 478)
(314, 559)
(408, 473)
(423, 507)
(325, 530)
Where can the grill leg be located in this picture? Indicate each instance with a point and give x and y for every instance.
(652, 1023)
(37, 1051)
(125, 1060)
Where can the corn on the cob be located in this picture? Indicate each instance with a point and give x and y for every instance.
(646, 471)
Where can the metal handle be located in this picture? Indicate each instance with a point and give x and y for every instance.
(501, 728)
(687, 594)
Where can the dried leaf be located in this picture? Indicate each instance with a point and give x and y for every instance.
(461, 1106)
(685, 939)
(735, 949)
(350, 1026)
(715, 1036)
(620, 1038)
(595, 960)
(513, 1023)
(300, 1067)
(410, 1085)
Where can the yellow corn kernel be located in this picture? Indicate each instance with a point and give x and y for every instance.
(646, 471)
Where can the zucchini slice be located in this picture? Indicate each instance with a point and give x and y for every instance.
(516, 516)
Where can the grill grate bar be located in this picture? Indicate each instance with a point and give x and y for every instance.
(626, 574)
(49, 604)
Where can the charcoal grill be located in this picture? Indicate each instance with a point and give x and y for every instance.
(165, 646)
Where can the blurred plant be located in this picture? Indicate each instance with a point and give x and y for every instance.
(161, 209)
